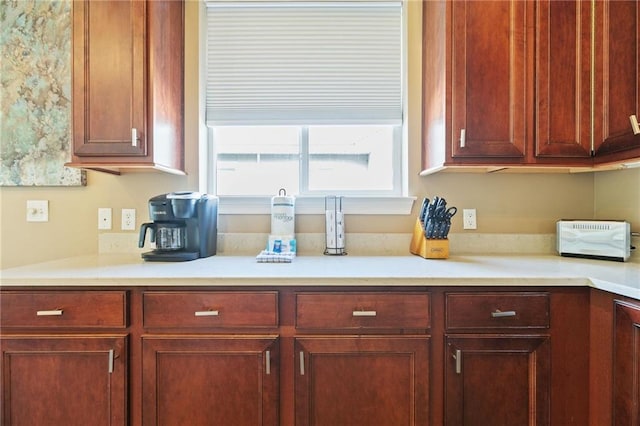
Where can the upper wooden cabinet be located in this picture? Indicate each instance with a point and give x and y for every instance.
(512, 83)
(490, 94)
(563, 82)
(617, 79)
(128, 84)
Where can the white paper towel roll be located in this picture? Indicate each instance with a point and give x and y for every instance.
(282, 215)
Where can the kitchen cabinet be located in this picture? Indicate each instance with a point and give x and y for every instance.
(498, 358)
(347, 380)
(195, 372)
(626, 364)
(477, 100)
(64, 358)
(204, 380)
(562, 131)
(356, 375)
(128, 85)
(537, 84)
(617, 80)
(293, 354)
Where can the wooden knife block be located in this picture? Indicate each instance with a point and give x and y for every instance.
(427, 248)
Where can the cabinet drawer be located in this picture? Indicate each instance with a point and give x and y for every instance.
(497, 310)
(362, 310)
(210, 309)
(94, 309)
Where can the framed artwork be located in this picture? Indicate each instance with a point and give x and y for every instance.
(35, 94)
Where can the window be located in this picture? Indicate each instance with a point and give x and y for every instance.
(307, 96)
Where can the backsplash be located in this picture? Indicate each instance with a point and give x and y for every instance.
(358, 244)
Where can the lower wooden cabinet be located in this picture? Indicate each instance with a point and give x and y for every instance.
(207, 380)
(498, 380)
(64, 380)
(362, 380)
(626, 364)
(317, 356)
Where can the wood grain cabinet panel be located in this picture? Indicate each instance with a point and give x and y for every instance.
(365, 380)
(212, 309)
(66, 309)
(504, 310)
(563, 80)
(497, 380)
(617, 79)
(626, 364)
(210, 380)
(490, 92)
(363, 310)
(64, 380)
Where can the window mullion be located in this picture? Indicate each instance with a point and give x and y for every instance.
(304, 159)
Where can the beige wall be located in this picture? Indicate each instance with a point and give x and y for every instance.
(506, 203)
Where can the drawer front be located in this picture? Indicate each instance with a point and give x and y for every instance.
(363, 310)
(72, 309)
(497, 310)
(210, 309)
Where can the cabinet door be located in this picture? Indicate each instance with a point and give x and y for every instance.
(617, 79)
(626, 365)
(201, 380)
(491, 88)
(497, 380)
(109, 78)
(362, 381)
(64, 380)
(563, 79)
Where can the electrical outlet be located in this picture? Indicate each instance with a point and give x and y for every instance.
(37, 210)
(104, 218)
(128, 222)
(469, 219)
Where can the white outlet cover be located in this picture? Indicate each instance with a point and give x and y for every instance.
(104, 218)
(37, 210)
(128, 222)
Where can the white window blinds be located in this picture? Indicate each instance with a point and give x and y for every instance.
(304, 62)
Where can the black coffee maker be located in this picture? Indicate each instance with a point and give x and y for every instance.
(184, 227)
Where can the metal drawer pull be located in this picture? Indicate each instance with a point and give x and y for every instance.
(458, 358)
(268, 362)
(207, 313)
(634, 124)
(301, 363)
(55, 312)
(364, 313)
(501, 314)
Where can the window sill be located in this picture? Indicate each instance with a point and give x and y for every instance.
(316, 205)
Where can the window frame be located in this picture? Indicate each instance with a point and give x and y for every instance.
(394, 202)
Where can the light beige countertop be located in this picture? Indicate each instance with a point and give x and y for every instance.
(474, 270)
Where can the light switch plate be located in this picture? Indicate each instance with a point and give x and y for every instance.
(37, 210)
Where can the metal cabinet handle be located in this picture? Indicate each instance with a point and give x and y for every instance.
(267, 356)
(111, 359)
(501, 314)
(458, 357)
(134, 137)
(301, 363)
(634, 124)
(54, 312)
(463, 137)
(364, 313)
(207, 313)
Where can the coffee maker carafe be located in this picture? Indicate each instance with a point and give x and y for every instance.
(184, 226)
